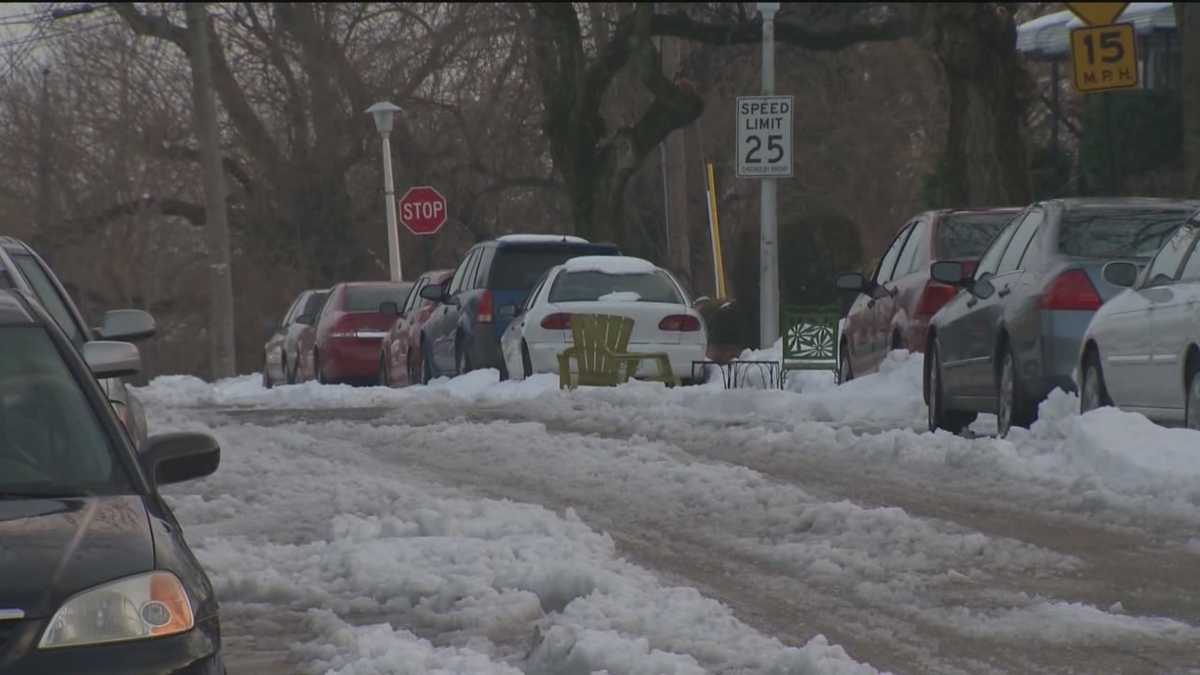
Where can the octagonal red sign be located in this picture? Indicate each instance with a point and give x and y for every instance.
(422, 210)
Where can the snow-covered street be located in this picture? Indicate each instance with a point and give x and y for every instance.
(475, 526)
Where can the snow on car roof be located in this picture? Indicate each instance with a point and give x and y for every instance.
(541, 239)
(609, 264)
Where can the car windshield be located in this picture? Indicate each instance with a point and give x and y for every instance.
(47, 293)
(368, 298)
(1118, 233)
(518, 269)
(591, 286)
(51, 441)
(967, 235)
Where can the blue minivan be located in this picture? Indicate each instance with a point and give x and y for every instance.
(488, 286)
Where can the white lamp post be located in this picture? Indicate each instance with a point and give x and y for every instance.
(384, 113)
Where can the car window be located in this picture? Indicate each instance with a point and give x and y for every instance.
(991, 259)
(592, 286)
(315, 303)
(468, 282)
(1191, 269)
(1118, 233)
(486, 256)
(1013, 255)
(518, 268)
(457, 282)
(414, 296)
(368, 298)
(967, 235)
(1165, 267)
(888, 264)
(50, 298)
(51, 439)
(914, 256)
(292, 312)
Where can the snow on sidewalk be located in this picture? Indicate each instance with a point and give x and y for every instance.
(382, 564)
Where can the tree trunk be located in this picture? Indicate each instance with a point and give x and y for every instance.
(1187, 18)
(679, 242)
(985, 161)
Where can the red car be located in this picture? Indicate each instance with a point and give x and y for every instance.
(353, 323)
(400, 359)
(895, 305)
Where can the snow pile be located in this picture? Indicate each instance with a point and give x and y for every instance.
(404, 577)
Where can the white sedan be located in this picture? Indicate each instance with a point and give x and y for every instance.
(663, 322)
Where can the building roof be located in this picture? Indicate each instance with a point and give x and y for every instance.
(1049, 37)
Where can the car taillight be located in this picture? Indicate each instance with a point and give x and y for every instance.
(680, 322)
(484, 313)
(558, 321)
(933, 298)
(1072, 290)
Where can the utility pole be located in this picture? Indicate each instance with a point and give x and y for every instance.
(204, 110)
(768, 308)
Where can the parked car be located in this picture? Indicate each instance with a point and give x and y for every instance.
(664, 320)
(1014, 332)
(24, 269)
(95, 574)
(350, 331)
(400, 357)
(483, 295)
(294, 334)
(893, 307)
(1142, 349)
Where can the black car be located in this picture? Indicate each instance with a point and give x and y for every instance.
(95, 575)
(483, 295)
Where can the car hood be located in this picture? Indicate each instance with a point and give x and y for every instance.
(51, 549)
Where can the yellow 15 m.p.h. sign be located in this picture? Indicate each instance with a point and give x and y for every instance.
(1104, 54)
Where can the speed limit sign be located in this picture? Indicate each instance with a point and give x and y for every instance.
(764, 136)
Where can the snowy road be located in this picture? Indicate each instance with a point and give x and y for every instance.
(475, 527)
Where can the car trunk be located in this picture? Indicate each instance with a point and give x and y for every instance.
(646, 317)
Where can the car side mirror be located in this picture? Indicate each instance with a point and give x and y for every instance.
(949, 272)
(854, 282)
(435, 293)
(107, 359)
(127, 325)
(1120, 273)
(174, 458)
(389, 308)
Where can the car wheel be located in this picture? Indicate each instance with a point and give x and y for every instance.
(462, 361)
(844, 374)
(414, 376)
(266, 374)
(1192, 404)
(1094, 393)
(384, 380)
(426, 365)
(940, 417)
(1011, 408)
(289, 374)
(321, 379)
(526, 360)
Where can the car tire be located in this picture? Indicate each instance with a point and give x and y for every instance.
(321, 379)
(426, 365)
(940, 417)
(462, 360)
(384, 380)
(1093, 392)
(844, 373)
(526, 360)
(1011, 408)
(414, 376)
(289, 374)
(1191, 405)
(266, 374)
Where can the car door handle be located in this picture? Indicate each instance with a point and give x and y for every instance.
(972, 302)
(1004, 291)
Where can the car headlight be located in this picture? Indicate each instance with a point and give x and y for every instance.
(143, 606)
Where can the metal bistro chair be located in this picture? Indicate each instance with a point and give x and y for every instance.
(601, 353)
(810, 340)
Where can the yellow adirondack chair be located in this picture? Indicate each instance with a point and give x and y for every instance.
(601, 353)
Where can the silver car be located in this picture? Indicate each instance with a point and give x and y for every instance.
(1013, 332)
(22, 268)
(1142, 349)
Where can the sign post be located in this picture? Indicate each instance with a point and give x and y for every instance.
(1104, 54)
(423, 210)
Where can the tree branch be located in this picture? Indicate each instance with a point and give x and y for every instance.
(750, 32)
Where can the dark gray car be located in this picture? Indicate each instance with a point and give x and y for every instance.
(1013, 333)
(291, 338)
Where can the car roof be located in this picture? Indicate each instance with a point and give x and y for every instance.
(13, 311)
(375, 284)
(510, 239)
(1072, 203)
(13, 244)
(982, 209)
(436, 275)
(609, 263)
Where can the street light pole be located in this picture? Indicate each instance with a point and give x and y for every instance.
(383, 113)
(769, 224)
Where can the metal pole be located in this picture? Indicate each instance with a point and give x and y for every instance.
(769, 250)
(662, 158)
(389, 191)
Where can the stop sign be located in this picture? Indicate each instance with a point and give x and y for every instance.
(423, 210)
